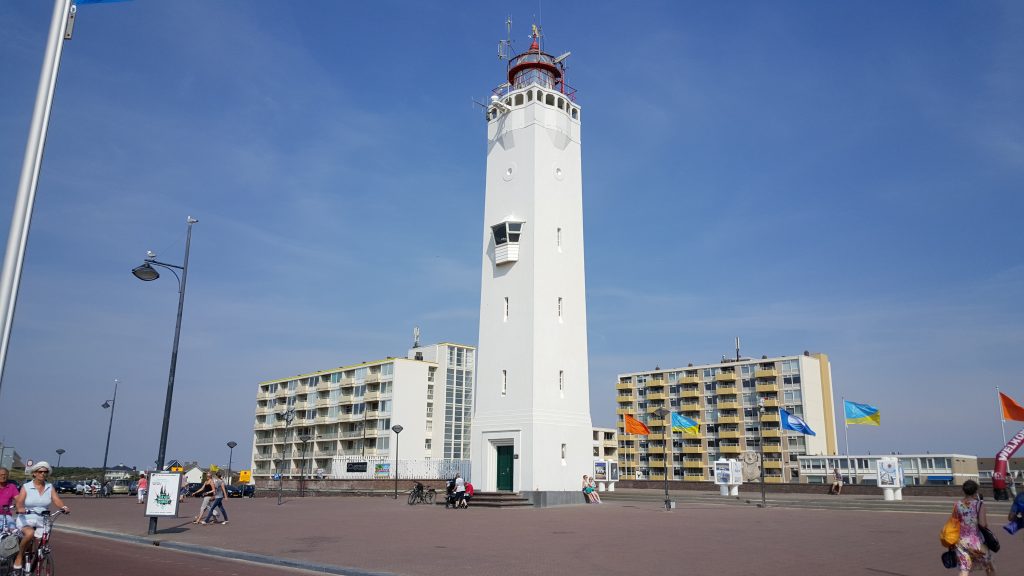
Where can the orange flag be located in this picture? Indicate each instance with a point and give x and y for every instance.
(1011, 410)
(634, 426)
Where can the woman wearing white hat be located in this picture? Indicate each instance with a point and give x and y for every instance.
(35, 498)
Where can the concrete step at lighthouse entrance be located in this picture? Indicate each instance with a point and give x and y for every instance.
(493, 500)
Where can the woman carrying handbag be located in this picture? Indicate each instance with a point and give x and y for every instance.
(971, 552)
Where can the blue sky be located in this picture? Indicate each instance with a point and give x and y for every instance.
(834, 177)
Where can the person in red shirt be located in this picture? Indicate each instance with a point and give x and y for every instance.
(467, 495)
(143, 486)
(8, 492)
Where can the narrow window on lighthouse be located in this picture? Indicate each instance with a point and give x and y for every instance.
(505, 319)
(559, 308)
(561, 383)
(563, 454)
(504, 382)
(558, 239)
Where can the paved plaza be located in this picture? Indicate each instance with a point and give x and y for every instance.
(629, 533)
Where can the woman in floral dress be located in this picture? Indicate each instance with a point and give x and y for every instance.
(971, 552)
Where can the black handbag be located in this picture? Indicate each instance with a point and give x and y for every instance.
(949, 559)
(990, 539)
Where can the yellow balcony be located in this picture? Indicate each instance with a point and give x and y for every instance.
(773, 433)
(730, 449)
(694, 449)
(729, 420)
(372, 378)
(656, 464)
(694, 464)
(695, 393)
(690, 380)
(770, 417)
(772, 464)
(372, 396)
(348, 381)
(767, 387)
(690, 407)
(692, 475)
(657, 396)
(774, 480)
(730, 434)
(624, 386)
(656, 476)
(629, 411)
(730, 405)
(725, 377)
(655, 449)
(771, 402)
(726, 390)
(773, 447)
(767, 373)
(624, 398)
(627, 450)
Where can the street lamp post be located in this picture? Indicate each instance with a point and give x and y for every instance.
(397, 429)
(760, 445)
(147, 273)
(662, 413)
(287, 416)
(60, 452)
(108, 404)
(305, 438)
(231, 453)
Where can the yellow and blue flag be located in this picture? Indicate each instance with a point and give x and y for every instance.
(685, 425)
(794, 423)
(857, 413)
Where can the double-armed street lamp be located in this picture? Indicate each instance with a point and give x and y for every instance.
(108, 404)
(288, 415)
(304, 438)
(661, 413)
(147, 273)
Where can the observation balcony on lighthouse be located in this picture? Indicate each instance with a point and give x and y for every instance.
(506, 241)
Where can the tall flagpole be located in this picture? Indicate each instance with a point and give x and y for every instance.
(846, 435)
(1002, 420)
(17, 240)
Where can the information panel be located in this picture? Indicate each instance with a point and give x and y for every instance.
(162, 494)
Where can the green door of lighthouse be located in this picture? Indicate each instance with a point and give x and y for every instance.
(505, 461)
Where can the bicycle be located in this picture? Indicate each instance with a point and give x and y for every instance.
(39, 555)
(418, 495)
(10, 538)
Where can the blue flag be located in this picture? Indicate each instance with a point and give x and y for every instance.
(795, 423)
(685, 425)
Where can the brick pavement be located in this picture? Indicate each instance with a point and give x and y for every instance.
(702, 536)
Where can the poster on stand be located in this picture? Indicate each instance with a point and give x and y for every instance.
(162, 494)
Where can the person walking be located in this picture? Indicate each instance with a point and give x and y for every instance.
(460, 491)
(220, 492)
(971, 552)
(143, 487)
(206, 491)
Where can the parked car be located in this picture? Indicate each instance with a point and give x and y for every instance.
(120, 487)
(87, 488)
(246, 490)
(65, 487)
(133, 488)
(192, 488)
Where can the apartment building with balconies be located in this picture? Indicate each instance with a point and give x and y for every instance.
(311, 423)
(737, 404)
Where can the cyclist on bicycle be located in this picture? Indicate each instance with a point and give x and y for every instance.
(34, 499)
(8, 492)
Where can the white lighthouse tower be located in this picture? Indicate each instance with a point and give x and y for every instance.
(531, 428)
